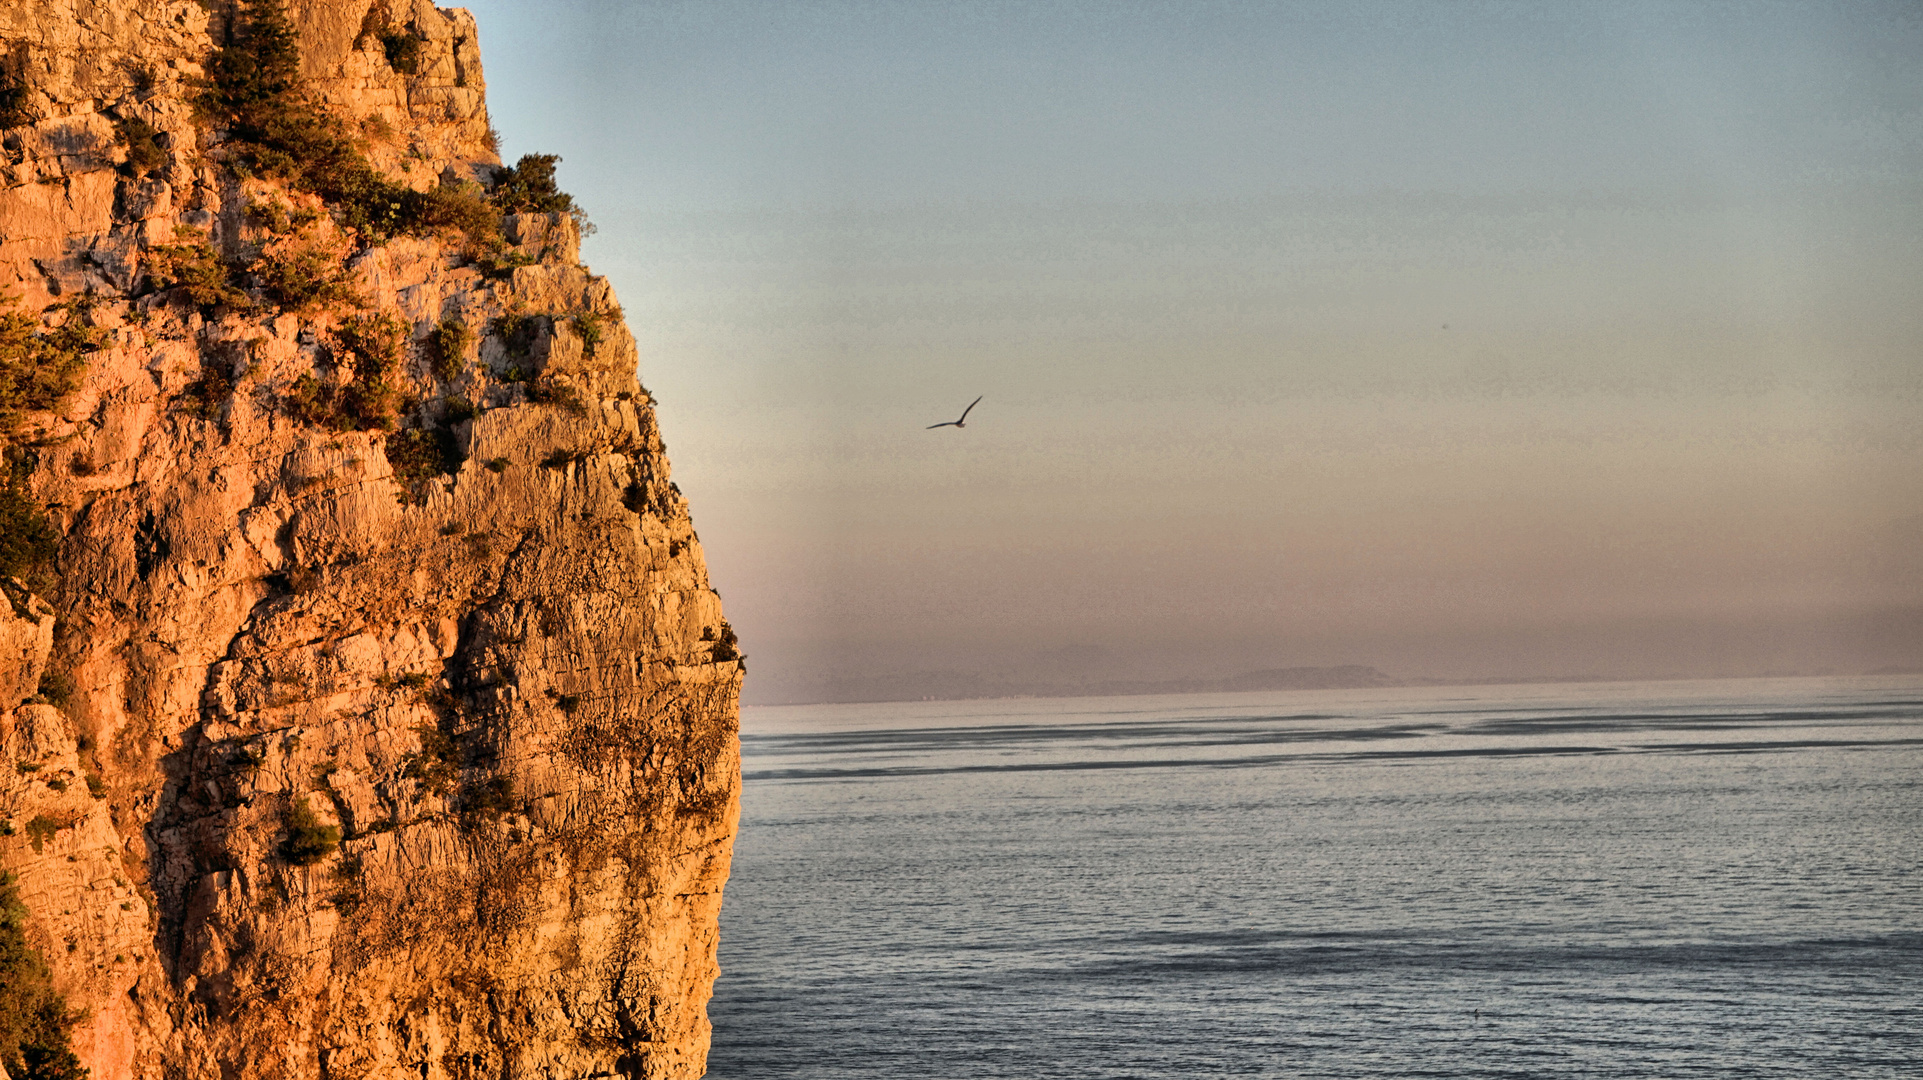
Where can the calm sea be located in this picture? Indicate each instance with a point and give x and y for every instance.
(1624, 880)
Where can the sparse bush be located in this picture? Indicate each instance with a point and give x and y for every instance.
(308, 841)
(449, 348)
(295, 581)
(309, 401)
(438, 762)
(207, 395)
(726, 646)
(519, 332)
(530, 188)
(548, 390)
(591, 329)
(498, 261)
(279, 217)
(194, 267)
(370, 399)
(420, 454)
(459, 207)
(304, 272)
(492, 798)
(96, 785)
(28, 541)
(248, 757)
(41, 829)
(413, 680)
(497, 465)
(56, 688)
(41, 365)
(16, 89)
(403, 51)
(275, 130)
(144, 154)
(34, 1021)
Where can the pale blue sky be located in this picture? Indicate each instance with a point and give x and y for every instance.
(1200, 258)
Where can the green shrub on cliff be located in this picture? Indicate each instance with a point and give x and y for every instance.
(375, 342)
(403, 51)
(16, 87)
(274, 130)
(40, 365)
(530, 188)
(141, 139)
(193, 266)
(418, 455)
(34, 1021)
(726, 645)
(449, 349)
(308, 841)
(27, 539)
(304, 272)
(371, 347)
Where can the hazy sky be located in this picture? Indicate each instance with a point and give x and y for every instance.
(1455, 339)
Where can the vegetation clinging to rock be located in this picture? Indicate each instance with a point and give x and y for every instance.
(144, 154)
(274, 130)
(403, 51)
(308, 840)
(33, 1019)
(40, 365)
(530, 188)
(28, 540)
(192, 265)
(726, 645)
(417, 455)
(16, 91)
(449, 348)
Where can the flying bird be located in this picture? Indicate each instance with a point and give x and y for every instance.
(963, 422)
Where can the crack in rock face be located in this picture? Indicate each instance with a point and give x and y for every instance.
(369, 713)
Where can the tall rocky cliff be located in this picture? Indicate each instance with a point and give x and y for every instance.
(365, 708)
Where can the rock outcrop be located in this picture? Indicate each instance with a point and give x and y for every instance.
(387, 727)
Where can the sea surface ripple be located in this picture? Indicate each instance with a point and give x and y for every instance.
(1613, 880)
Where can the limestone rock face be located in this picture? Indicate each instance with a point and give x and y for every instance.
(403, 752)
(26, 640)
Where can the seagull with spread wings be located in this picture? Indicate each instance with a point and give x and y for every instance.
(958, 423)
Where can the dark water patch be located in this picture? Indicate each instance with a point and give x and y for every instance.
(1013, 735)
(1392, 956)
(1252, 761)
(1776, 746)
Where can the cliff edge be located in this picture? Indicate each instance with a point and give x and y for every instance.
(366, 709)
